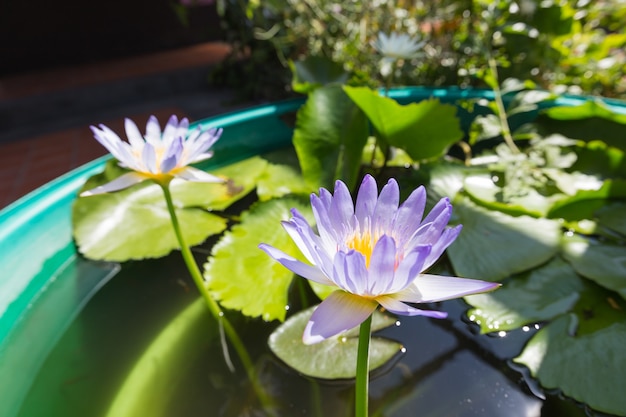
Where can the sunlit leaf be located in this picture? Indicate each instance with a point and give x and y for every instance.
(334, 358)
(485, 127)
(241, 178)
(117, 226)
(243, 277)
(329, 138)
(494, 245)
(585, 203)
(424, 130)
(601, 262)
(598, 158)
(483, 190)
(280, 180)
(315, 71)
(583, 356)
(543, 294)
(592, 120)
(446, 179)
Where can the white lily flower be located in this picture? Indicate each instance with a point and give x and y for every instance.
(157, 155)
(394, 47)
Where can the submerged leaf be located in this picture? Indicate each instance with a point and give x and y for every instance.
(243, 277)
(335, 357)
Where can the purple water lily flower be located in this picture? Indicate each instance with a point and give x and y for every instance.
(374, 253)
(158, 155)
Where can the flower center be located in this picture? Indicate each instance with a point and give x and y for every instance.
(364, 244)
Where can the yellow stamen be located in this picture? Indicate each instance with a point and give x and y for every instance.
(363, 244)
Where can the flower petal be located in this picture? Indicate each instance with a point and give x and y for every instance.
(297, 230)
(197, 148)
(134, 135)
(340, 311)
(170, 131)
(409, 268)
(434, 224)
(174, 153)
(409, 215)
(366, 199)
(118, 148)
(153, 131)
(322, 220)
(382, 266)
(386, 206)
(117, 184)
(196, 175)
(398, 307)
(307, 271)
(350, 272)
(341, 208)
(446, 239)
(431, 288)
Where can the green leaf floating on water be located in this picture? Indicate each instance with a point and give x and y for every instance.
(243, 277)
(583, 356)
(424, 130)
(543, 294)
(114, 226)
(482, 189)
(484, 249)
(601, 262)
(334, 358)
(279, 180)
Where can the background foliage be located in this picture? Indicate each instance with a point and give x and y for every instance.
(568, 44)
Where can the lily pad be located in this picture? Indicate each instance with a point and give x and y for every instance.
(483, 190)
(543, 294)
(279, 180)
(585, 365)
(115, 226)
(494, 245)
(243, 277)
(424, 130)
(335, 357)
(600, 262)
(585, 203)
(240, 178)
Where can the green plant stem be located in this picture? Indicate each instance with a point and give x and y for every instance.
(214, 308)
(504, 123)
(362, 369)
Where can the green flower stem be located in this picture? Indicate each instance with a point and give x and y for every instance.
(362, 369)
(214, 308)
(504, 123)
